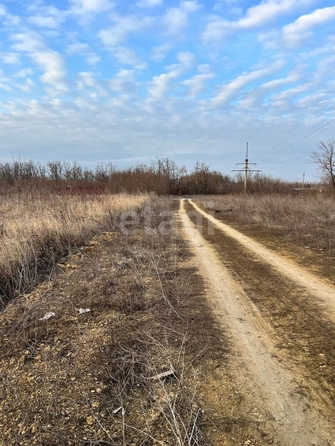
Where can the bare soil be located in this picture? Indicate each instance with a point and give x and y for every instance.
(252, 350)
(284, 333)
(87, 377)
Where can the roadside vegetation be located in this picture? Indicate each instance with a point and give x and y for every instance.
(324, 159)
(106, 336)
(307, 218)
(82, 355)
(162, 177)
(47, 211)
(299, 225)
(38, 228)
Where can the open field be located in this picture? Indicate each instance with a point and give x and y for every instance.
(301, 219)
(281, 314)
(36, 230)
(79, 377)
(274, 390)
(221, 294)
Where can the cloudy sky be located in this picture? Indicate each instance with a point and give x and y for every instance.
(128, 81)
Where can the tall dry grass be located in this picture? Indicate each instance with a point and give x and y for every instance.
(302, 216)
(36, 230)
(84, 367)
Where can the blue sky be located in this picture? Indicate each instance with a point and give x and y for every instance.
(130, 81)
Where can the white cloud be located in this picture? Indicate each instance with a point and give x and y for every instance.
(268, 10)
(160, 83)
(93, 59)
(8, 20)
(51, 62)
(23, 73)
(45, 22)
(176, 19)
(149, 3)
(92, 6)
(270, 40)
(77, 48)
(4, 86)
(311, 100)
(127, 56)
(114, 37)
(259, 96)
(56, 102)
(84, 104)
(87, 81)
(217, 29)
(123, 26)
(255, 17)
(295, 32)
(10, 58)
(275, 83)
(159, 52)
(190, 6)
(27, 42)
(83, 49)
(3, 10)
(122, 79)
(185, 58)
(325, 65)
(109, 104)
(13, 21)
(26, 87)
(230, 6)
(196, 84)
(54, 68)
(4, 81)
(291, 93)
(236, 85)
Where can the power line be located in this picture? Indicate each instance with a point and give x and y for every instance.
(292, 160)
(284, 150)
(306, 125)
(298, 131)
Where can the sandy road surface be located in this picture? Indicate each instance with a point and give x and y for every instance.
(290, 417)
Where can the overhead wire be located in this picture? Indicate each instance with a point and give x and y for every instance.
(298, 157)
(302, 141)
(309, 134)
(286, 148)
(283, 163)
(306, 125)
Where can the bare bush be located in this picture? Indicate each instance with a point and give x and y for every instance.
(324, 158)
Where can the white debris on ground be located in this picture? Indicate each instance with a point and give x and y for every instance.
(47, 316)
(83, 310)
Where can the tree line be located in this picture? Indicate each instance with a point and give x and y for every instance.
(163, 176)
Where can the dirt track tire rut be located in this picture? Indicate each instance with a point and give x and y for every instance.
(323, 291)
(292, 415)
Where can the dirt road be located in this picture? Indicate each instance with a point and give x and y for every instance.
(272, 363)
(314, 285)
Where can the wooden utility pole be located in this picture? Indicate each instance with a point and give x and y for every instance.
(303, 180)
(246, 168)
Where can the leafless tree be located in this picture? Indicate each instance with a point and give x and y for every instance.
(324, 158)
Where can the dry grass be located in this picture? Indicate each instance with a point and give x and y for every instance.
(37, 230)
(63, 380)
(307, 219)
